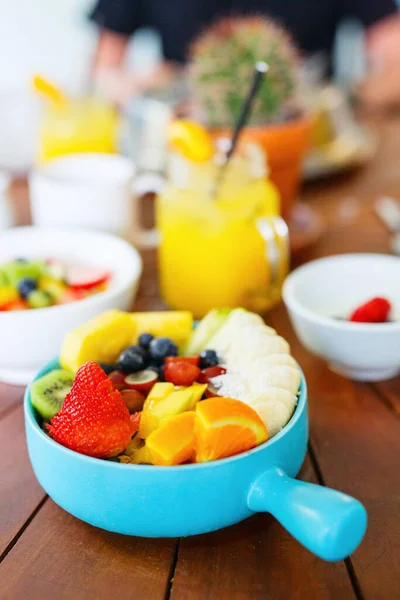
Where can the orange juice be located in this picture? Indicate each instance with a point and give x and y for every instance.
(220, 249)
(86, 125)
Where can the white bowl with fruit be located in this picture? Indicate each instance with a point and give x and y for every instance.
(345, 309)
(51, 281)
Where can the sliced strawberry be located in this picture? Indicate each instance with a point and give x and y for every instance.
(207, 374)
(142, 381)
(86, 277)
(190, 360)
(181, 373)
(19, 304)
(133, 399)
(93, 419)
(71, 295)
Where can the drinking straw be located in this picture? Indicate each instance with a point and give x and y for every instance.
(260, 70)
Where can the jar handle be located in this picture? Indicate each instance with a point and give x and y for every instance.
(275, 233)
(145, 184)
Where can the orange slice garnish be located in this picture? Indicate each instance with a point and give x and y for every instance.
(191, 140)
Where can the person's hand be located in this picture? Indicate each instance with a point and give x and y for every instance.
(111, 78)
(381, 89)
(119, 86)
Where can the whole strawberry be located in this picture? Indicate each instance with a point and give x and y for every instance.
(94, 419)
(374, 311)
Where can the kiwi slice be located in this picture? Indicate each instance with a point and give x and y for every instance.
(15, 271)
(3, 278)
(39, 299)
(48, 392)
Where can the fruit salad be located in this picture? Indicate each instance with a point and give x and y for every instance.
(147, 388)
(27, 284)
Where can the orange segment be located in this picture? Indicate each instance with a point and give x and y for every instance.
(173, 442)
(191, 140)
(225, 427)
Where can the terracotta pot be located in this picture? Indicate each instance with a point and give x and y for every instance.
(285, 145)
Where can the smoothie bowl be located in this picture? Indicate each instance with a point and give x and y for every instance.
(184, 459)
(37, 307)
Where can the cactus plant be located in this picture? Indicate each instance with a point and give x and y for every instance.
(223, 58)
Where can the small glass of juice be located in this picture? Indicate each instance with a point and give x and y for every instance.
(221, 245)
(83, 125)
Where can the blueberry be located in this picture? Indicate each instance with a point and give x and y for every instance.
(208, 358)
(144, 340)
(161, 376)
(107, 368)
(162, 347)
(132, 359)
(159, 369)
(26, 286)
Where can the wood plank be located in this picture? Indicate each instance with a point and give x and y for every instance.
(256, 559)
(356, 439)
(20, 491)
(390, 392)
(10, 397)
(61, 557)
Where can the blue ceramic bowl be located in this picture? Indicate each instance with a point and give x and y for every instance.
(150, 501)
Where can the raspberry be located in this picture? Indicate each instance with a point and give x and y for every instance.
(374, 311)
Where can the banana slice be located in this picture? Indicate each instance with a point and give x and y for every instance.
(242, 356)
(253, 336)
(275, 360)
(277, 395)
(274, 414)
(285, 378)
(253, 367)
(238, 322)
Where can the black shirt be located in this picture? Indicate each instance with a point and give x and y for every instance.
(311, 22)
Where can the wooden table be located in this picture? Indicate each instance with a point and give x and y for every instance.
(354, 446)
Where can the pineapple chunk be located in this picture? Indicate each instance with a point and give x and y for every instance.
(101, 339)
(176, 325)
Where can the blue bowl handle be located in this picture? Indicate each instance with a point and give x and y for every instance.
(330, 524)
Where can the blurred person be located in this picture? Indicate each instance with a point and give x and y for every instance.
(312, 24)
(381, 90)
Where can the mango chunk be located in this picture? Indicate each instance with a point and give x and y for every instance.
(173, 442)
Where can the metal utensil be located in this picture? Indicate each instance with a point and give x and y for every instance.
(388, 211)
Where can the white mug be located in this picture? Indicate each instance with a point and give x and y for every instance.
(94, 191)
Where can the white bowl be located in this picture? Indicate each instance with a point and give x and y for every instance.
(318, 294)
(28, 339)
